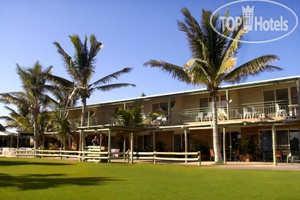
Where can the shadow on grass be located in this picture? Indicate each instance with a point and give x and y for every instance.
(15, 163)
(45, 181)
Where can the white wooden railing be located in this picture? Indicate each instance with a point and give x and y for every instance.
(97, 156)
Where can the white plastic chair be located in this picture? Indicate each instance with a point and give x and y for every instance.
(254, 112)
(222, 114)
(209, 116)
(246, 113)
(280, 112)
(199, 117)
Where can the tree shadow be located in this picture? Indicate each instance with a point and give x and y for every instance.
(15, 163)
(45, 181)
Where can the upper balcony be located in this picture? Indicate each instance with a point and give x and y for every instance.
(258, 111)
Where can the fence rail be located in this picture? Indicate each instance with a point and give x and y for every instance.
(98, 156)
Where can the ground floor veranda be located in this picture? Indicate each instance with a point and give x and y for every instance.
(238, 142)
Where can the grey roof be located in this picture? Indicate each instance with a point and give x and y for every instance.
(199, 91)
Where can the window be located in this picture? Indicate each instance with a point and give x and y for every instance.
(294, 140)
(282, 139)
(178, 142)
(294, 95)
(155, 107)
(143, 142)
(207, 102)
(223, 101)
(265, 141)
(203, 102)
(269, 96)
(162, 106)
(282, 96)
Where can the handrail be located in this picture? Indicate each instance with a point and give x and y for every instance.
(98, 156)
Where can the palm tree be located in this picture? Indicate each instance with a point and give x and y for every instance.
(17, 119)
(132, 117)
(34, 97)
(2, 128)
(81, 69)
(213, 60)
(58, 117)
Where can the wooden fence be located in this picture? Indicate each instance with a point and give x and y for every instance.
(105, 156)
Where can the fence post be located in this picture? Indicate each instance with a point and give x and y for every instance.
(199, 158)
(154, 157)
(79, 156)
(60, 154)
(127, 156)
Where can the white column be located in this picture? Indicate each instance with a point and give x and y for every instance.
(109, 145)
(227, 104)
(18, 138)
(124, 146)
(154, 141)
(274, 144)
(100, 140)
(89, 112)
(185, 143)
(224, 145)
(131, 148)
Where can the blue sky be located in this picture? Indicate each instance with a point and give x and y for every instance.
(132, 32)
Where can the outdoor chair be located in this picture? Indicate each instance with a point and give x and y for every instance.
(237, 155)
(212, 155)
(237, 114)
(246, 113)
(160, 120)
(120, 120)
(199, 117)
(280, 112)
(278, 155)
(222, 114)
(157, 120)
(209, 116)
(144, 117)
(293, 157)
(254, 113)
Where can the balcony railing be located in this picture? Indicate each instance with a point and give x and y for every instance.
(257, 110)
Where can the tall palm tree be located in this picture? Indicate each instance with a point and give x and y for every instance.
(81, 69)
(17, 119)
(34, 96)
(213, 60)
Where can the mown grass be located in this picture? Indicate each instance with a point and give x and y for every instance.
(54, 179)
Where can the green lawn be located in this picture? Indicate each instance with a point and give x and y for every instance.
(52, 179)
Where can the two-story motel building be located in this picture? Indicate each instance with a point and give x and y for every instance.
(248, 111)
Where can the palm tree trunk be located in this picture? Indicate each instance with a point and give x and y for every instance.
(81, 137)
(216, 145)
(35, 131)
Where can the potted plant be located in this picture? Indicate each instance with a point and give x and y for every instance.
(247, 150)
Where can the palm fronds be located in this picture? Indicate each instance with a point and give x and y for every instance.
(252, 68)
(176, 71)
(110, 77)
